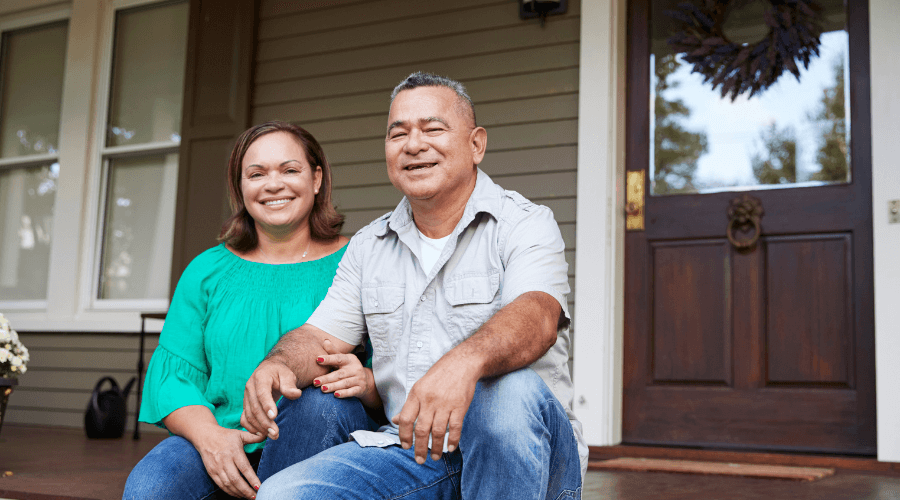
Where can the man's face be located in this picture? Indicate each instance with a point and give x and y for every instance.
(432, 146)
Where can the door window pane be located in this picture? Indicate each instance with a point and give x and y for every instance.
(26, 216)
(148, 75)
(795, 133)
(137, 238)
(33, 63)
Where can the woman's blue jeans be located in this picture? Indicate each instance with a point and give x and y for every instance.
(517, 443)
(313, 423)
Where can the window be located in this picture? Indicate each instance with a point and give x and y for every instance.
(32, 66)
(140, 154)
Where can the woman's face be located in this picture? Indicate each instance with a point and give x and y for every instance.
(278, 183)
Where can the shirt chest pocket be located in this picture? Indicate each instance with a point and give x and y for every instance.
(473, 300)
(383, 308)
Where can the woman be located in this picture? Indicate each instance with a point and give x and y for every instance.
(280, 251)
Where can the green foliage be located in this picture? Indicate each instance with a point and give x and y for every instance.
(777, 163)
(833, 154)
(676, 149)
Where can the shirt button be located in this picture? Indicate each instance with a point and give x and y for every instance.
(376, 303)
(422, 298)
(419, 344)
(380, 442)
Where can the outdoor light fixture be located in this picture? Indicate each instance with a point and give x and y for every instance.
(529, 9)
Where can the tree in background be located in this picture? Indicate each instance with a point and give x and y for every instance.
(833, 153)
(676, 149)
(777, 163)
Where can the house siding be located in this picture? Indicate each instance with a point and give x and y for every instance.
(330, 67)
(63, 371)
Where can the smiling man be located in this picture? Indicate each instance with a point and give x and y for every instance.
(462, 292)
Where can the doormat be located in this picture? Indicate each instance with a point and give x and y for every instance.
(718, 468)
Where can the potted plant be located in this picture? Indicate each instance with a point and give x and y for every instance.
(13, 360)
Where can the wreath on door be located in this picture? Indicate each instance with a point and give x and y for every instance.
(793, 39)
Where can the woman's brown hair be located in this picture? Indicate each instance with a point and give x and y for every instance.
(239, 231)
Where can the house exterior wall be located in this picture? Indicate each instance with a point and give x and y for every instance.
(552, 101)
(884, 19)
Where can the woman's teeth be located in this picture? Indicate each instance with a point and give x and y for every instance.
(277, 202)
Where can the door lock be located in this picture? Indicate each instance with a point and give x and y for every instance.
(634, 200)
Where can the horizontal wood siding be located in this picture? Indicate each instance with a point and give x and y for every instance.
(330, 67)
(63, 371)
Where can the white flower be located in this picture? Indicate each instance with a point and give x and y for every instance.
(5, 336)
(4, 355)
(22, 369)
(14, 336)
(15, 361)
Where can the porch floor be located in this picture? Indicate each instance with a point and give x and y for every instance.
(50, 463)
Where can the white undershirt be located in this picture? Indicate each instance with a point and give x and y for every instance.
(431, 250)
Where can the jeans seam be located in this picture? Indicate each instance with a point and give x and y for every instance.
(423, 487)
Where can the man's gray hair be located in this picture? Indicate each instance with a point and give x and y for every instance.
(422, 79)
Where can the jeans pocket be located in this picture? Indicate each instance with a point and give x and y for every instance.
(576, 494)
(382, 306)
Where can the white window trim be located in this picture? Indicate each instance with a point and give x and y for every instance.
(13, 24)
(90, 291)
(75, 244)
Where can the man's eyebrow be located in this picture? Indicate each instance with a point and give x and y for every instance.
(396, 123)
(423, 120)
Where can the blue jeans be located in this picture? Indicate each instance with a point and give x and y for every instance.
(173, 468)
(516, 443)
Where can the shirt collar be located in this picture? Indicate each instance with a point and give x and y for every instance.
(486, 197)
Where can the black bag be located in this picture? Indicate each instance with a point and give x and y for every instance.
(106, 411)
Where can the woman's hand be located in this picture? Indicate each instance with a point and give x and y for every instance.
(349, 378)
(222, 451)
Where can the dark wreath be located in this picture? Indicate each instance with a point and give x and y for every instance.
(794, 30)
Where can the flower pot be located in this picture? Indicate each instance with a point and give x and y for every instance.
(6, 388)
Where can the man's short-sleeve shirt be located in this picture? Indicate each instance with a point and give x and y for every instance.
(503, 247)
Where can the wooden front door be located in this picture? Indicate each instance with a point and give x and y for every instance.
(769, 347)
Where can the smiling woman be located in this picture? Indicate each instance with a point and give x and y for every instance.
(281, 248)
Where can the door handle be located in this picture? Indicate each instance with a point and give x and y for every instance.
(744, 214)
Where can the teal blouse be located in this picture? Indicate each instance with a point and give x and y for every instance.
(225, 316)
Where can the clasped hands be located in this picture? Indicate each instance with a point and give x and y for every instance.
(435, 407)
(273, 379)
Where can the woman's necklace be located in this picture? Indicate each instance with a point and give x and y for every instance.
(269, 259)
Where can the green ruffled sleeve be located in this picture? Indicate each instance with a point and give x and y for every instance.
(178, 373)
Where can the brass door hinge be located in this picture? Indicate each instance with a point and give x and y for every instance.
(634, 200)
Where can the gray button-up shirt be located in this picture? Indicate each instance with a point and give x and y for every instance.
(503, 246)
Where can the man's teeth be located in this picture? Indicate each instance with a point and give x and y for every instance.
(277, 202)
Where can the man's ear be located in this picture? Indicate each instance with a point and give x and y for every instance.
(478, 140)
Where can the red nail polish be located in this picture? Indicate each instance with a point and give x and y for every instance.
(337, 394)
(256, 487)
(320, 360)
(317, 383)
(324, 388)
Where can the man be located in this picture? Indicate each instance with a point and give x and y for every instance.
(461, 289)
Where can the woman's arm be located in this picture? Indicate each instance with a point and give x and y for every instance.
(221, 449)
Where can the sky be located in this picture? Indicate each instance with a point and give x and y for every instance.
(733, 129)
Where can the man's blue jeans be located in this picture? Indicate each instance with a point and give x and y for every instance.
(517, 443)
(315, 422)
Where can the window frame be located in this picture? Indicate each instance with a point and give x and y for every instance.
(100, 169)
(34, 160)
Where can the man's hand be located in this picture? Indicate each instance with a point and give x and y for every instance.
(437, 401)
(269, 381)
(222, 451)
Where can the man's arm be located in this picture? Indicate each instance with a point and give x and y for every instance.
(535, 285)
(515, 337)
(290, 365)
